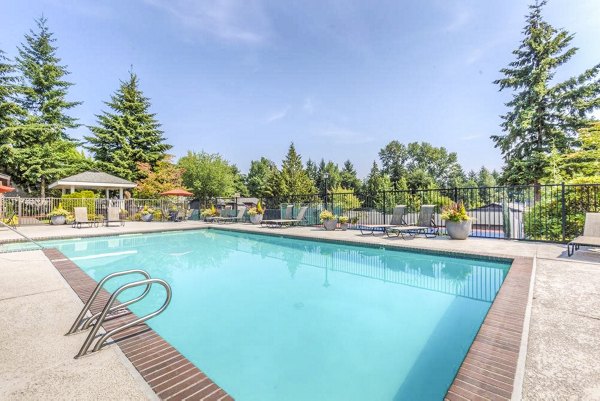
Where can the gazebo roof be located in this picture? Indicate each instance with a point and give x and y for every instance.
(92, 180)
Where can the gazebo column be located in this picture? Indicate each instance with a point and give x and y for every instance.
(120, 193)
(107, 195)
(63, 191)
(72, 188)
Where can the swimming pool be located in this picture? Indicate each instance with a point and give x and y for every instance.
(271, 318)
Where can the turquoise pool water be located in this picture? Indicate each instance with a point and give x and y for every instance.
(270, 318)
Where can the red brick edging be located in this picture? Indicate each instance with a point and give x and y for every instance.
(170, 375)
(489, 368)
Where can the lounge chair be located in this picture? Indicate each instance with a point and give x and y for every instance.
(240, 215)
(591, 234)
(425, 225)
(397, 220)
(288, 221)
(81, 217)
(113, 215)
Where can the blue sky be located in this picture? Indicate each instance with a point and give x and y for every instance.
(340, 78)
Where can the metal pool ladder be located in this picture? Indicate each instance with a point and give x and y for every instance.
(111, 311)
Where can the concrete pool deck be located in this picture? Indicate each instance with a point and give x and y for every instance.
(563, 353)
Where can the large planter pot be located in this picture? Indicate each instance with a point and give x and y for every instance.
(147, 217)
(256, 219)
(344, 226)
(329, 225)
(459, 229)
(58, 220)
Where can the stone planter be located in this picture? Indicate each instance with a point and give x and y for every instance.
(147, 217)
(58, 220)
(459, 229)
(256, 219)
(344, 226)
(330, 225)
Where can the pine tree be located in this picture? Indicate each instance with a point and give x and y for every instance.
(129, 135)
(582, 165)
(294, 179)
(349, 180)
(42, 148)
(542, 114)
(312, 171)
(10, 111)
(375, 184)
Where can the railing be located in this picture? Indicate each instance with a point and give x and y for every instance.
(553, 212)
(544, 213)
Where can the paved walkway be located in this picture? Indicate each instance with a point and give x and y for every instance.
(563, 357)
(36, 359)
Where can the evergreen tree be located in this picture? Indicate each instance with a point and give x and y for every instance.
(129, 135)
(542, 114)
(375, 184)
(294, 180)
(258, 176)
(42, 148)
(10, 111)
(348, 178)
(333, 176)
(582, 165)
(312, 171)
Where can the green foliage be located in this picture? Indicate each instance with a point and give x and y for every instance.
(253, 211)
(343, 219)
(10, 111)
(209, 212)
(542, 114)
(375, 184)
(59, 211)
(128, 135)
(326, 215)
(41, 149)
(345, 199)
(239, 181)
(293, 179)
(583, 163)
(207, 175)
(455, 212)
(422, 165)
(348, 177)
(85, 199)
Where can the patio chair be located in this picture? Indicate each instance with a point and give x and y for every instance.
(397, 220)
(425, 225)
(240, 215)
(113, 215)
(81, 218)
(287, 222)
(591, 234)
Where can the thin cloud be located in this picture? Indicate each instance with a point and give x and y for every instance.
(343, 136)
(470, 137)
(278, 115)
(242, 21)
(459, 20)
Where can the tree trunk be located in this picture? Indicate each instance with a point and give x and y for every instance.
(43, 187)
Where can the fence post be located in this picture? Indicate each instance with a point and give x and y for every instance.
(19, 209)
(384, 218)
(564, 212)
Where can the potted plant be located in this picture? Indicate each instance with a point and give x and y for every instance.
(123, 214)
(256, 213)
(209, 212)
(343, 220)
(58, 216)
(458, 223)
(329, 220)
(354, 220)
(147, 214)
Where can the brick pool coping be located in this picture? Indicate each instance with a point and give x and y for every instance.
(488, 372)
(168, 373)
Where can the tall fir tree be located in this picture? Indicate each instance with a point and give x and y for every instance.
(293, 178)
(10, 111)
(542, 114)
(349, 179)
(128, 135)
(43, 150)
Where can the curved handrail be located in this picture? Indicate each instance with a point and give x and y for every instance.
(85, 323)
(90, 338)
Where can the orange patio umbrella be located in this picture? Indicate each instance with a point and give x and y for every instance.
(4, 189)
(177, 192)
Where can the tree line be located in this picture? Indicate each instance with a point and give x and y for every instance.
(548, 134)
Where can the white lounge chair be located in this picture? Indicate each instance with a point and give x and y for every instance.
(81, 217)
(591, 234)
(425, 225)
(288, 221)
(113, 215)
(240, 215)
(397, 220)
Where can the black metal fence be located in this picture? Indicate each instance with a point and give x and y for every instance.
(553, 212)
